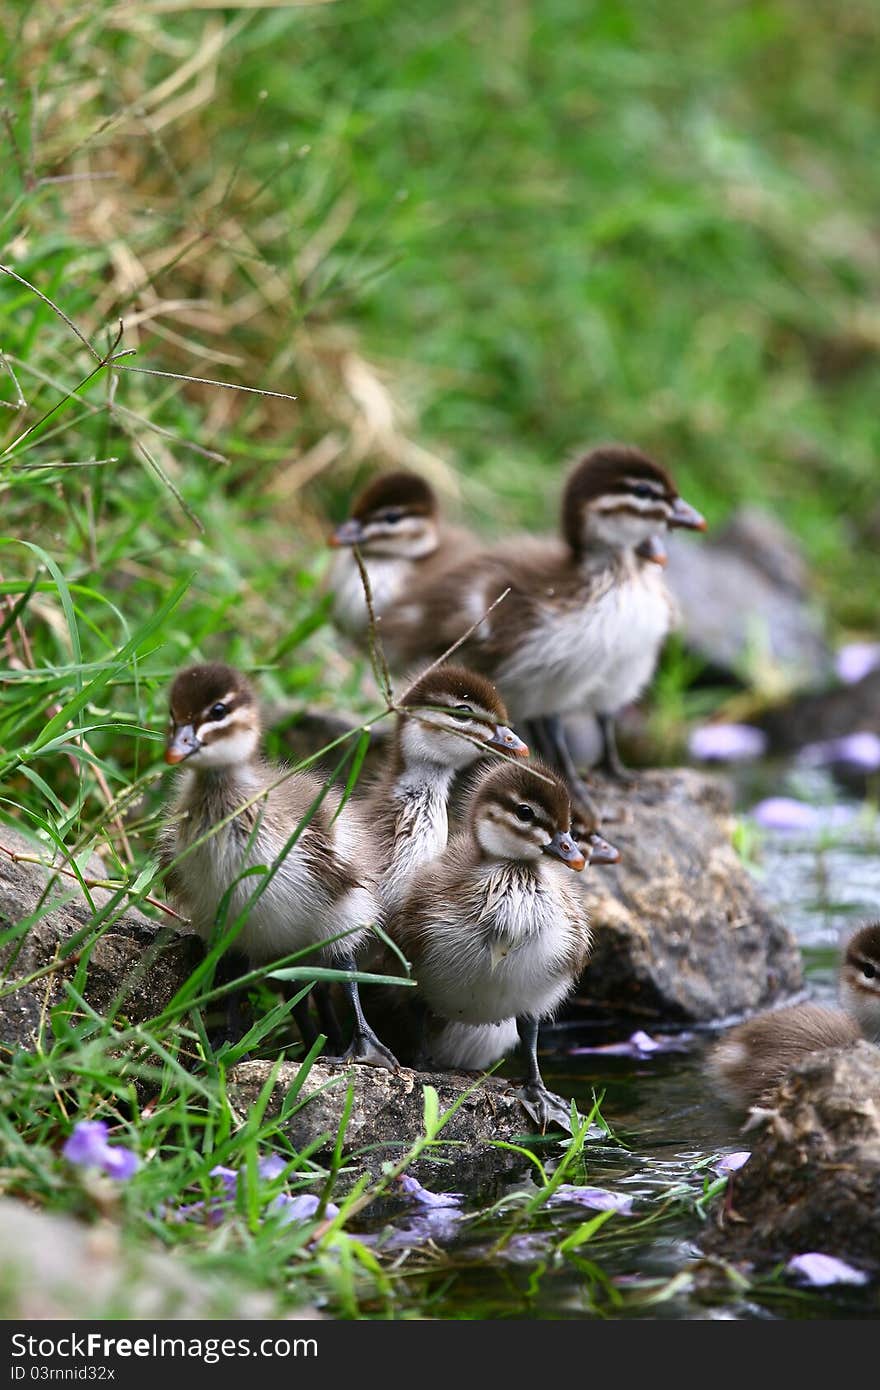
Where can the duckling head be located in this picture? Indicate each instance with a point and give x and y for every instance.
(617, 496)
(214, 719)
(522, 813)
(395, 515)
(860, 980)
(451, 716)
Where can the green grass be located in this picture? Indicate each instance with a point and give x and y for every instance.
(467, 237)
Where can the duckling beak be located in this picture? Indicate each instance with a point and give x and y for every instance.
(505, 738)
(601, 852)
(351, 532)
(653, 549)
(683, 514)
(181, 743)
(563, 847)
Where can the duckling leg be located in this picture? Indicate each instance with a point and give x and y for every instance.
(364, 1046)
(559, 756)
(419, 1013)
(611, 762)
(233, 1027)
(545, 1108)
(304, 1022)
(327, 1016)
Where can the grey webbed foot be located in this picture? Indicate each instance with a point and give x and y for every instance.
(366, 1048)
(549, 1111)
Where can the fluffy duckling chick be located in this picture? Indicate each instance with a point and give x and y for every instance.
(753, 1058)
(586, 616)
(396, 525)
(493, 927)
(449, 718)
(231, 814)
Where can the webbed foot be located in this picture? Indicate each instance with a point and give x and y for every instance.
(549, 1111)
(366, 1048)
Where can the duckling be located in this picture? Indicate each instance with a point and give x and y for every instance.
(586, 616)
(449, 717)
(492, 927)
(754, 1057)
(395, 523)
(232, 813)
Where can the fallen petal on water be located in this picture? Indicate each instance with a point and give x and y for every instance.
(786, 813)
(822, 1270)
(731, 1163)
(727, 743)
(426, 1198)
(596, 1198)
(856, 660)
(861, 750)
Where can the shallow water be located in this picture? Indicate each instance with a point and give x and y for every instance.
(667, 1122)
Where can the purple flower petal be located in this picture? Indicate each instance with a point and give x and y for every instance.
(88, 1147)
(271, 1167)
(300, 1208)
(596, 1198)
(731, 1163)
(120, 1163)
(229, 1179)
(439, 1224)
(785, 813)
(638, 1045)
(856, 659)
(424, 1197)
(87, 1144)
(727, 742)
(861, 750)
(822, 1270)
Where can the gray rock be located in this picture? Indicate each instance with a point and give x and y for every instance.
(388, 1108)
(813, 1180)
(744, 601)
(136, 962)
(681, 933)
(55, 1267)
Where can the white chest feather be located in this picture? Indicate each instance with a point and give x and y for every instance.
(388, 576)
(597, 656)
(421, 831)
(504, 953)
(297, 909)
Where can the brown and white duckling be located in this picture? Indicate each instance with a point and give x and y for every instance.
(492, 927)
(586, 616)
(448, 718)
(231, 814)
(754, 1057)
(396, 525)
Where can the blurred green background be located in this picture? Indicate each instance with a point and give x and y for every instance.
(468, 237)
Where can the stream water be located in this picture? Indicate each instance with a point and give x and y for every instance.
(668, 1125)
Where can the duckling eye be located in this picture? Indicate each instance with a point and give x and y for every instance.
(643, 490)
(218, 711)
(869, 970)
(393, 516)
(524, 813)
(461, 711)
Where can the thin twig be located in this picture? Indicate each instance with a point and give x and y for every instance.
(377, 651)
(55, 310)
(103, 784)
(106, 883)
(206, 381)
